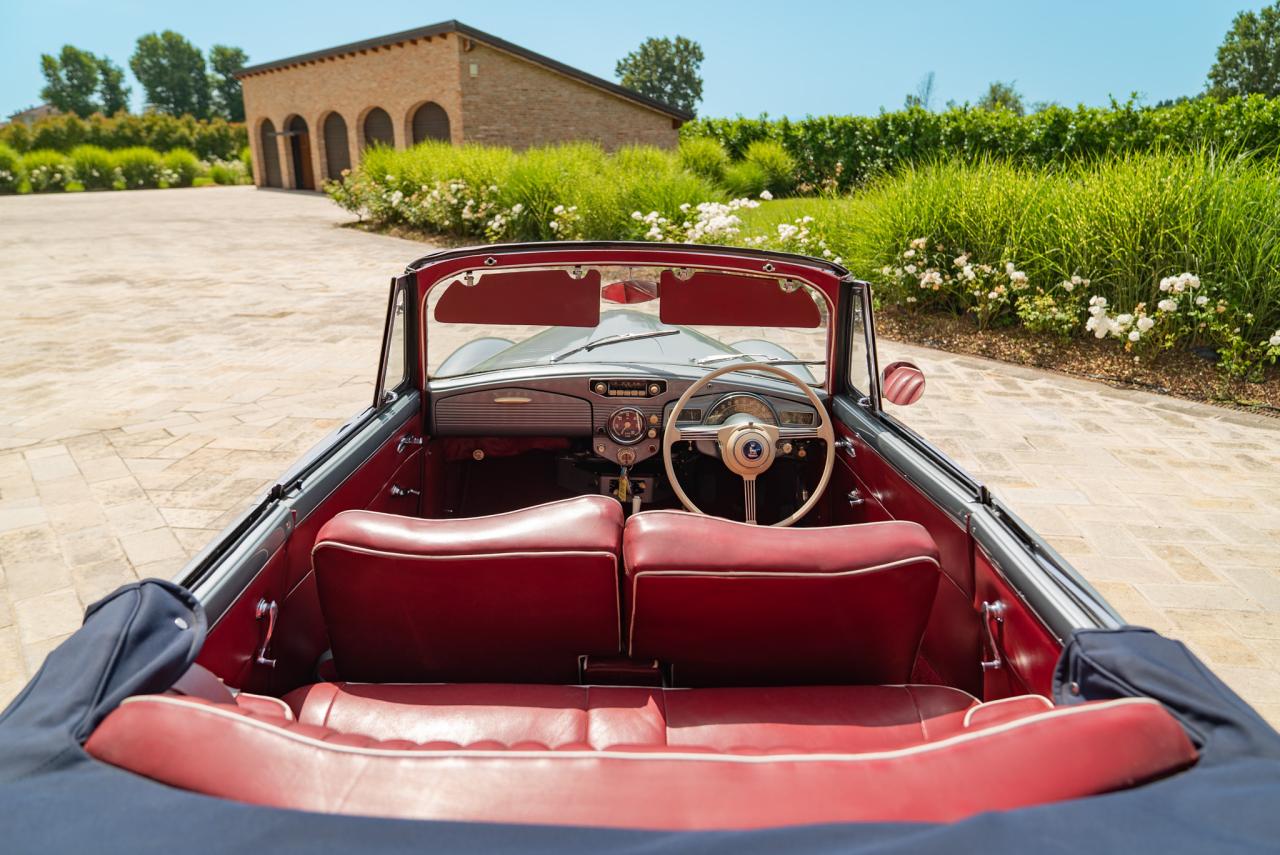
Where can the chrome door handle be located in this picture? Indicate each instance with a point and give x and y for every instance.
(270, 611)
(846, 445)
(397, 490)
(406, 441)
(992, 611)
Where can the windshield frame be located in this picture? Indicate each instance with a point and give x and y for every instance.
(823, 288)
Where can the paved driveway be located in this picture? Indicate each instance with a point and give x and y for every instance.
(165, 354)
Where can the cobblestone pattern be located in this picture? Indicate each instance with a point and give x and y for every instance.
(164, 355)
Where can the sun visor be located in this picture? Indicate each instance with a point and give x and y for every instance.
(727, 299)
(553, 298)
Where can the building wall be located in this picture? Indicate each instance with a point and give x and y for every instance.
(511, 101)
(397, 78)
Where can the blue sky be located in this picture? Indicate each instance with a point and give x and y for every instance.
(782, 58)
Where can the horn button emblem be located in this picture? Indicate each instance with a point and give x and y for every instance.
(750, 450)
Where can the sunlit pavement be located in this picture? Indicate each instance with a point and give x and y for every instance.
(164, 355)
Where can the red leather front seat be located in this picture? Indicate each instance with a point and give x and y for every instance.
(513, 597)
(726, 603)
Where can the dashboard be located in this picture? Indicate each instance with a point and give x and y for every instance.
(623, 415)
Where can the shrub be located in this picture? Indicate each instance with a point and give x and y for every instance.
(47, 171)
(746, 178)
(775, 164)
(11, 173)
(246, 158)
(93, 167)
(851, 150)
(211, 138)
(180, 167)
(139, 167)
(705, 157)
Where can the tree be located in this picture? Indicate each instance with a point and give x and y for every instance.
(71, 79)
(923, 96)
(172, 73)
(1002, 96)
(665, 70)
(1249, 56)
(111, 88)
(224, 62)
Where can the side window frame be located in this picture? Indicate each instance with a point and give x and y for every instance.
(859, 299)
(399, 324)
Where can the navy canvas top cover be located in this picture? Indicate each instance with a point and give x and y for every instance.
(54, 797)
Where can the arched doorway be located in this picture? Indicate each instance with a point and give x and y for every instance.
(267, 145)
(304, 177)
(430, 122)
(337, 156)
(377, 128)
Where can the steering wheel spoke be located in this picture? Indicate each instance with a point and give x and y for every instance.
(749, 499)
(794, 433)
(693, 433)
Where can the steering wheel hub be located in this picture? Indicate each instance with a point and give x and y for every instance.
(748, 450)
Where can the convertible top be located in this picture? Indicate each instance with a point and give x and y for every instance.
(141, 638)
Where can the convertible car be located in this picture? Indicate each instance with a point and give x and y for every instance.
(629, 553)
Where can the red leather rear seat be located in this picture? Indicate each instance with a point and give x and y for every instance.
(803, 718)
(999, 756)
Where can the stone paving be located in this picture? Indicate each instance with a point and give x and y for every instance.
(164, 355)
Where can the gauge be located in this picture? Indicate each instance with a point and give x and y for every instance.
(626, 426)
(732, 405)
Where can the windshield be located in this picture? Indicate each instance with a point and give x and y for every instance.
(636, 316)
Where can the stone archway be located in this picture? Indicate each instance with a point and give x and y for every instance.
(429, 122)
(301, 168)
(268, 147)
(377, 129)
(337, 152)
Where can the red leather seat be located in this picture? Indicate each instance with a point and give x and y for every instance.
(798, 718)
(997, 756)
(517, 597)
(725, 603)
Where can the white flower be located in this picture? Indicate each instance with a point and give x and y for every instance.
(919, 243)
(1097, 300)
(1167, 306)
(910, 268)
(1166, 283)
(636, 215)
(968, 273)
(516, 208)
(1145, 323)
(961, 260)
(994, 295)
(1275, 339)
(1124, 320)
(766, 195)
(1068, 285)
(558, 210)
(1202, 300)
(911, 253)
(1135, 335)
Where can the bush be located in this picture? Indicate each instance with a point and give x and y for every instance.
(47, 171)
(705, 157)
(93, 167)
(139, 167)
(746, 178)
(775, 164)
(11, 172)
(211, 138)
(180, 167)
(246, 158)
(850, 150)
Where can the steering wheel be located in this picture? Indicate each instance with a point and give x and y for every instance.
(748, 448)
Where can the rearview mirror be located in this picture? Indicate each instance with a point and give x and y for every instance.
(902, 383)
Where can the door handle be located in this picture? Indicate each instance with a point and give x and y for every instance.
(397, 490)
(992, 612)
(269, 610)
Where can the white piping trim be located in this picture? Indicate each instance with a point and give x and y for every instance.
(968, 716)
(549, 754)
(758, 528)
(288, 711)
(721, 574)
(594, 498)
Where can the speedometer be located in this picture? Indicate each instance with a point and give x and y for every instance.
(732, 405)
(626, 426)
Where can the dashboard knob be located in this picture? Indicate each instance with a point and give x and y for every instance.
(601, 388)
(626, 456)
(654, 388)
(652, 433)
(653, 419)
(787, 448)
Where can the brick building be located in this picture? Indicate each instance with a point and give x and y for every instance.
(310, 116)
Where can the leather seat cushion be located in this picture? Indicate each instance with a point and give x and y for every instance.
(805, 718)
(223, 750)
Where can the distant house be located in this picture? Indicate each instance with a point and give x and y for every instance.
(33, 114)
(310, 116)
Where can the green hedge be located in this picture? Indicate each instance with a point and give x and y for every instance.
(846, 150)
(11, 173)
(47, 171)
(215, 138)
(139, 167)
